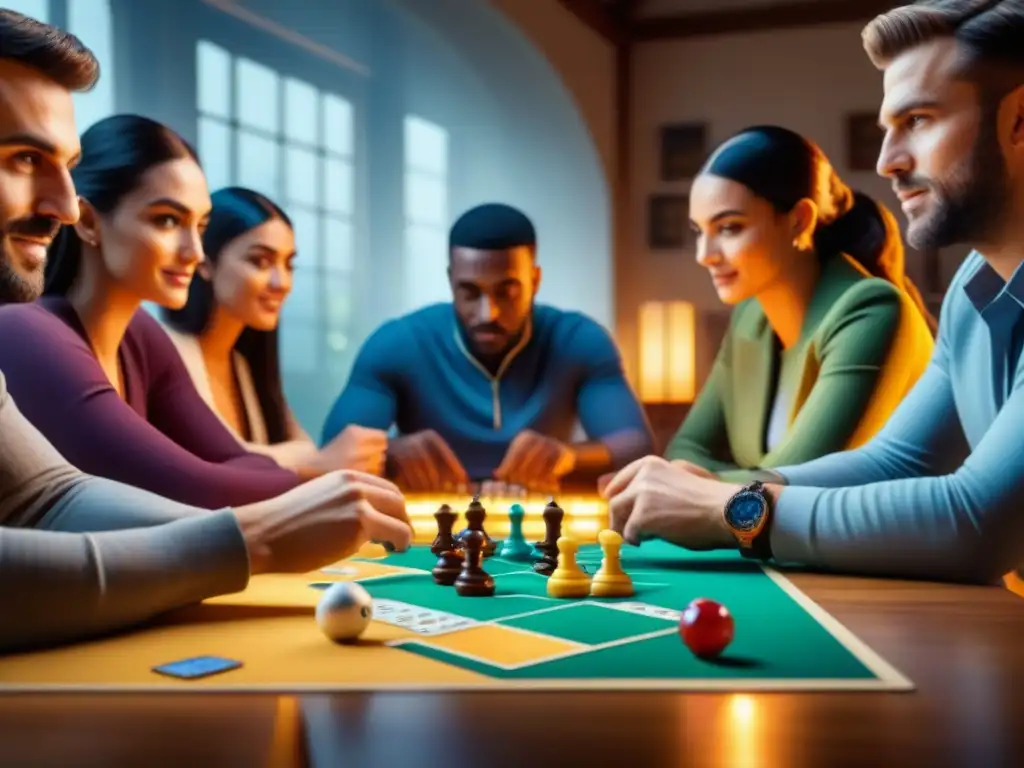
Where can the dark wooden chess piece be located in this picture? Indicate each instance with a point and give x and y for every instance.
(553, 515)
(474, 581)
(475, 516)
(448, 568)
(445, 518)
(449, 561)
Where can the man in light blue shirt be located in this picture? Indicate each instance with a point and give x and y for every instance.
(939, 492)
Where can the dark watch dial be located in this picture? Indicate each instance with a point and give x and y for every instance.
(745, 511)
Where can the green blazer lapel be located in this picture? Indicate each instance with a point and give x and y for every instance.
(752, 364)
(837, 275)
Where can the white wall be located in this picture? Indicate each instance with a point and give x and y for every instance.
(529, 90)
(806, 79)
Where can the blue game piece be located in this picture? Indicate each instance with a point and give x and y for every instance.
(516, 547)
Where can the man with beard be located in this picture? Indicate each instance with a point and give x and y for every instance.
(937, 493)
(82, 556)
(488, 389)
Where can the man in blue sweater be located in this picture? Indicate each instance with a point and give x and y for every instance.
(938, 493)
(490, 387)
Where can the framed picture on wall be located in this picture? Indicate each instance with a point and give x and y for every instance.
(863, 141)
(668, 222)
(683, 148)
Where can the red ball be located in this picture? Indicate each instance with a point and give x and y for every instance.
(706, 627)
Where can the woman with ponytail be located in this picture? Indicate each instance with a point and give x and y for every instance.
(94, 372)
(828, 333)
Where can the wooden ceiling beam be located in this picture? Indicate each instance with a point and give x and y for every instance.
(601, 18)
(796, 13)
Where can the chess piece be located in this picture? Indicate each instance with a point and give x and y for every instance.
(475, 516)
(568, 579)
(516, 546)
(448, 568)
(445, 521)
(474, 581)
(547, 549)
(610, 580)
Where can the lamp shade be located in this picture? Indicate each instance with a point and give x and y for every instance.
(668, 357)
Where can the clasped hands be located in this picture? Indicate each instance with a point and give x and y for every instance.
(424, 462)
(676, 501)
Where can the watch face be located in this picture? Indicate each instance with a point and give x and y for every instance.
(745, 511)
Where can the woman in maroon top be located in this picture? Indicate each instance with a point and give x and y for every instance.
(94, 372)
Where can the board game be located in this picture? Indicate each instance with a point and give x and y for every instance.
(425, 636)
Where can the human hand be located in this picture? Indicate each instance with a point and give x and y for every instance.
(535, 461)
(424, 462)
(651, 497)
(323, 521)
(357, 448)
(694, 469)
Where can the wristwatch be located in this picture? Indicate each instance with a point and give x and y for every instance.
(748, 514)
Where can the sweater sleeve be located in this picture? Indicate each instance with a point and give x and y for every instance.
(370, 398)
(58, 587)
(83, 575)
(609, 410)
(915, 501)
(61, 389)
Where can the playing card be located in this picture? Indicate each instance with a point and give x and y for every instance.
(423, 621)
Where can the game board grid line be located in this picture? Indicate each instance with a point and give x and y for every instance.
(878, 666)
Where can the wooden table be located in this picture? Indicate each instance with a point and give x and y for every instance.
(962, 646)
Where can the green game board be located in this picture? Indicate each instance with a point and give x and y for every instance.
(783, 640)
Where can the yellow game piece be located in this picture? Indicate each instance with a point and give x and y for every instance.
(568, 579)
(610, 580)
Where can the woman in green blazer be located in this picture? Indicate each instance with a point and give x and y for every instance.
(828, 334)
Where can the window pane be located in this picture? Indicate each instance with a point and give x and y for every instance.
(213, 75)
(301, 176)
(304, 297)
(426, 146)
(307, 239)
(35, 9)
(425, 199)
(337, 135)
(92, 22)
(300, 114)
(215, 152)
(257, 95)
(337, 251)
(426, 259)
(338, 186)
(339, 312)
(256, 161)
(298, 342)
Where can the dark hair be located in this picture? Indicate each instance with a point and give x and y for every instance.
(57, 54)
(236, 211)
(989, 31)
(783, 167)
(492, 226)
(116, 152)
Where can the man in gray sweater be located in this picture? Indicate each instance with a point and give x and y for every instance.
(82, 556)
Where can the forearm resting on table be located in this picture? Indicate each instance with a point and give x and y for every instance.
(58, 587)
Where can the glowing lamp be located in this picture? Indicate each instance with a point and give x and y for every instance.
(668, 358)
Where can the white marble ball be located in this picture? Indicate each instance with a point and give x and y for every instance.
(344, 611)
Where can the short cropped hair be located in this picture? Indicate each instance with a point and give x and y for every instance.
(492, 226)
(59, 55)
